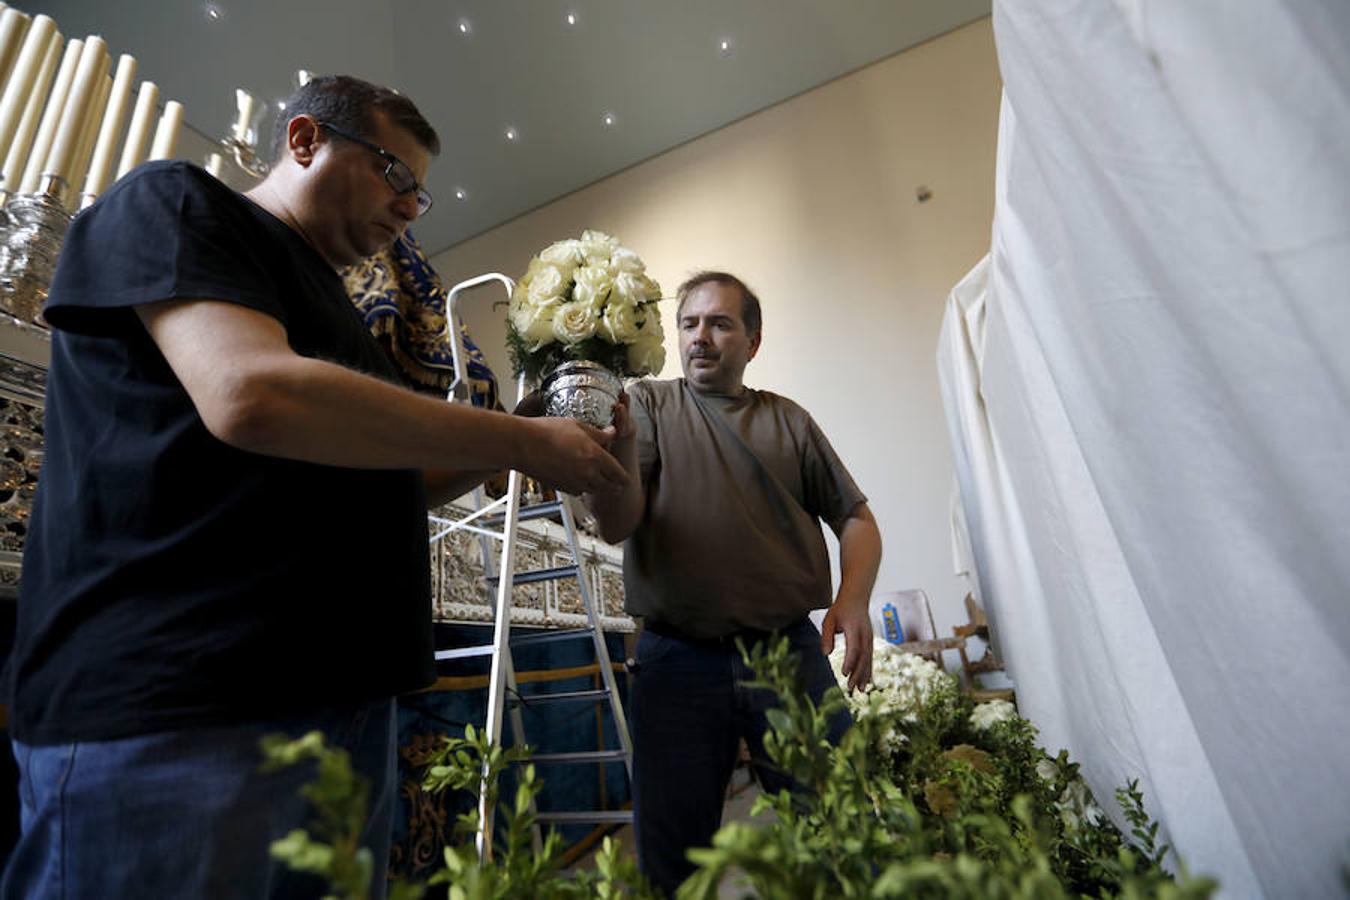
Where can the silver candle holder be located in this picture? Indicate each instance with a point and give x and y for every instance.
(31, 233)
(245, 155)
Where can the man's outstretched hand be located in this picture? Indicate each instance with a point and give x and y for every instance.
(855, 621)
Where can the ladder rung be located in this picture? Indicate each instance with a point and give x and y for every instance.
(531, 699)
(582, 756)
(525, 514)
(465, 652)
(623, 816)
(539, 575)
(544, 637)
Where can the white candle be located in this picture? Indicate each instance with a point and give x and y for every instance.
(98, 105)
(23, 137)
(244, 101)
(138, 135)
(166, 135)
(20, 85)
(13, 24)
(88, 78)
(118, 99)
(51, 117)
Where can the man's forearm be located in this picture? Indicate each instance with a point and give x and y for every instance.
(255, 393)
(859, 556)
(445, 486)
(321, 412)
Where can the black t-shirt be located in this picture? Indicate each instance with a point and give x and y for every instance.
(170, 579)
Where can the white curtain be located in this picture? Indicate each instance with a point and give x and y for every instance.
(1148, 388)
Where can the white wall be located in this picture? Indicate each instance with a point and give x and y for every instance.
(813, 203)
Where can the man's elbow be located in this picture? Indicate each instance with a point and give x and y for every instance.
(614, 533)
(616, 526)
(244, 412)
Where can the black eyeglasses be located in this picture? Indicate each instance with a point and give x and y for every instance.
(396, 172)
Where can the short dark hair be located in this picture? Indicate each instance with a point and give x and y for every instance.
(350, 104)
(750, 314)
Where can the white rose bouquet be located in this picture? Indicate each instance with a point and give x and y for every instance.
(586, 299)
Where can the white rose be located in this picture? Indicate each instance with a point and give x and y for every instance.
(646, 356)
(629, 289)
(594, 282)
(597, 246)
(650, 315)
(1047, 770)
(620, 323)
(575, 321)
(625, 260)
(563, 253)
(534, 323)
(546, 285)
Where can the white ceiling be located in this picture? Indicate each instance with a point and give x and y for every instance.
(656, 66)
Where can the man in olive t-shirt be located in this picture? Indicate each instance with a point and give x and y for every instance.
(721, 519)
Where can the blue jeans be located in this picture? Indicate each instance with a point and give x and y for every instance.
(689, 712)
(186, 813)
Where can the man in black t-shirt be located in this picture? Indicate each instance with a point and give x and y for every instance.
(217, 415)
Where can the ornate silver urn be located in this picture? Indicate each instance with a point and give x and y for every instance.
(583, 390)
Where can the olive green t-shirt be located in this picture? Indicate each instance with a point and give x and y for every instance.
(735, 489)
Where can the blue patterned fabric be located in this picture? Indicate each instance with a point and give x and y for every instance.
(403, 302)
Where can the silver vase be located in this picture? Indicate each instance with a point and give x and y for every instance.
(583, 390)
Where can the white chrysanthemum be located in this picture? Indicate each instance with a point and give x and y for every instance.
(903, 682)
(1076, 806)
(987, 714)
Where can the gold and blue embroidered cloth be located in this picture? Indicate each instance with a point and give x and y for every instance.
(404, 304)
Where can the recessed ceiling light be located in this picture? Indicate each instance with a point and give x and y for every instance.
(465, 26)
(610, 120)
(511, 133)
(213, 12)
(724, 46)
(461, 194)
(571, 18)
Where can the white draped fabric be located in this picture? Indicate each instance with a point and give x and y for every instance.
(1147, 383)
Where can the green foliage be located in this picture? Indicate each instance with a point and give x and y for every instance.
(954, 812)
(516, 870)
(539, 362)
(331, 848)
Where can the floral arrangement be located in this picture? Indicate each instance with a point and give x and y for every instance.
(586, 298)
(989, 806)
(959, 803)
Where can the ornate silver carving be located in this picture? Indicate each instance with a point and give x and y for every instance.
(460, 594)
(245, 156)
(583, 390)
(30, 240)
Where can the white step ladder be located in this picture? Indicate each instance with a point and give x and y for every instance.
(498, 522)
